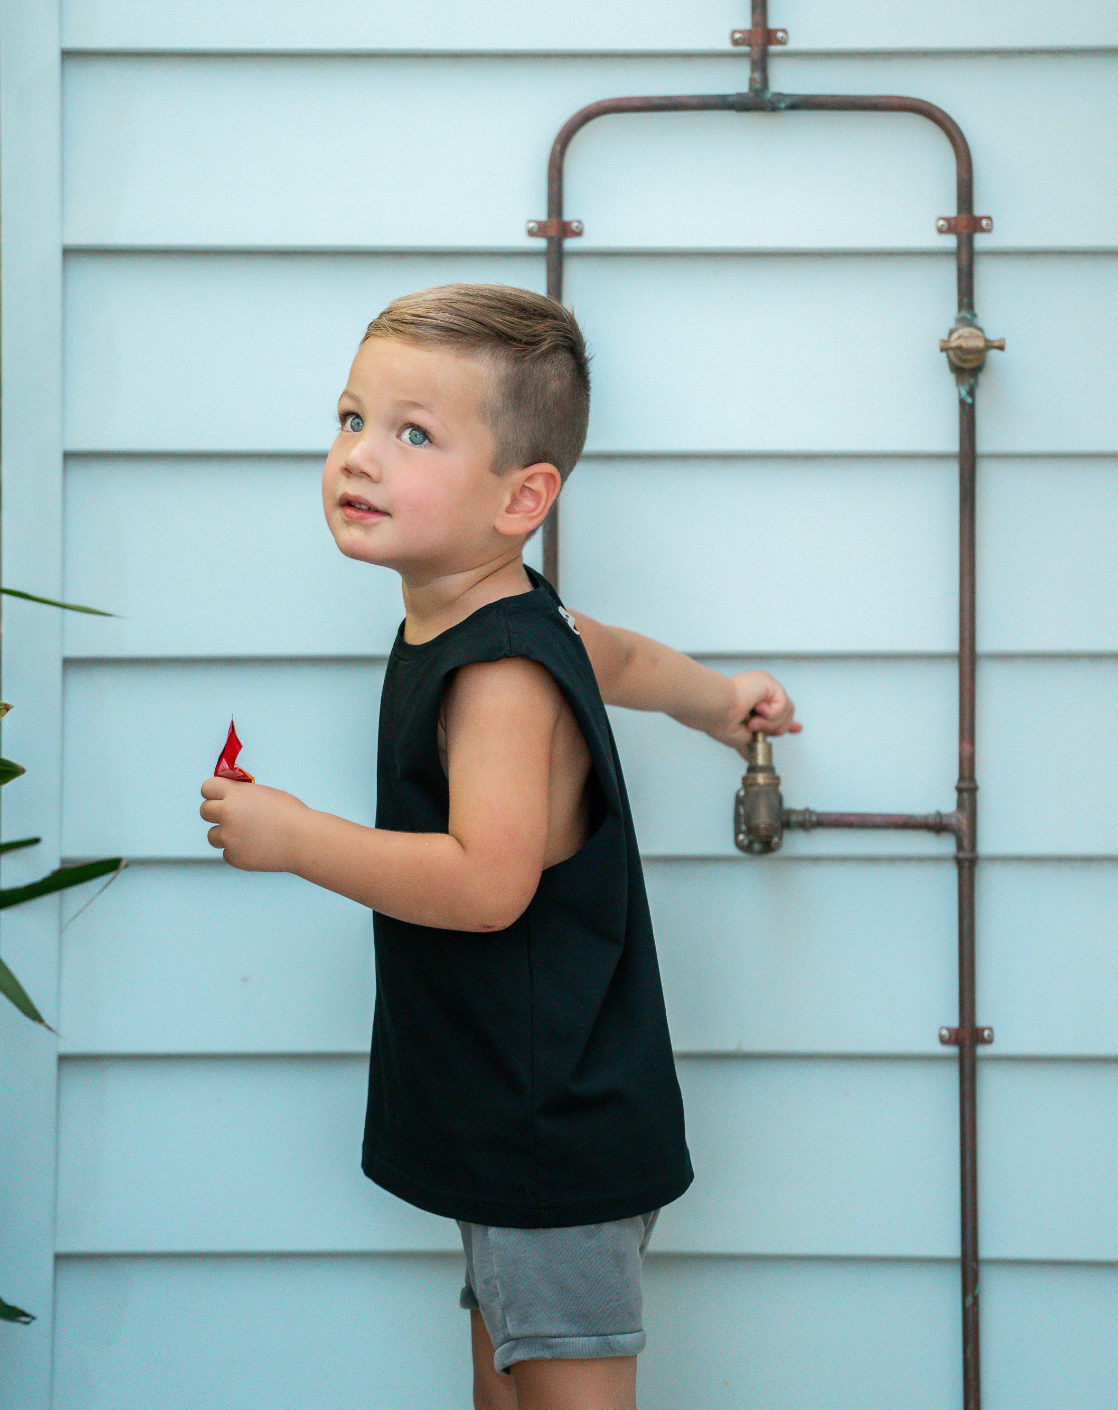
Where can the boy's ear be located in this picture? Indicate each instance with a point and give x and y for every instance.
(531, 493)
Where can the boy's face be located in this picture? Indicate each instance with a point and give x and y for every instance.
(407, 483)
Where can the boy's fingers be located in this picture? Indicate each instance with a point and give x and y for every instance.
(213, 839)
(214, 788)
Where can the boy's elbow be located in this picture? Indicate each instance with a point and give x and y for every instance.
(496, 906)
(491, 916)
(491, 923)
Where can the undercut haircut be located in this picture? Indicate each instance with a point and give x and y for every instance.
(539, 403)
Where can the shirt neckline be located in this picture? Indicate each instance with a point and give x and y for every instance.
(416, 648)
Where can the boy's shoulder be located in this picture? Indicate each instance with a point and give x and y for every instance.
(539, 615)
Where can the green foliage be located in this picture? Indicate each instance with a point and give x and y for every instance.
(12, 989)
(50, 602)
(17, 843)
(8, 1313)
(8, 771)
(59, 880)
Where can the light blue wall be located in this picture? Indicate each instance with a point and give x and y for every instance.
(769, 479)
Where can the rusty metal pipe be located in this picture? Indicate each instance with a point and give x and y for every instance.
(759, 49)
(753, 102)
(963, 822)
(966, 858)
(807, 820)
(771, 103)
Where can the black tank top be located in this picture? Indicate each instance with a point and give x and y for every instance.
(522, 1077)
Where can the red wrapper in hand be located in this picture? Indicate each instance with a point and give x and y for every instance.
(227, 764)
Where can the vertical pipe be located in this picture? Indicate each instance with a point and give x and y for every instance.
(759, 49)
(555, 291)
(966, 859)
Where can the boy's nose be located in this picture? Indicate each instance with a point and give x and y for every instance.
(362, 461)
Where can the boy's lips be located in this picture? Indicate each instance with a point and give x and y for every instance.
(354, 507)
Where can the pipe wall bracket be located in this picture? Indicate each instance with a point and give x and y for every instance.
(965, 224)
(958, 1037)
(554, 229)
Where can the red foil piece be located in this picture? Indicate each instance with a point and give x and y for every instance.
(227, 763)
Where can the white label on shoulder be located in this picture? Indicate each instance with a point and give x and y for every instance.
(570, 621)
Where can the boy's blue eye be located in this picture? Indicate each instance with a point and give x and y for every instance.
(415, 436)
(352, 422)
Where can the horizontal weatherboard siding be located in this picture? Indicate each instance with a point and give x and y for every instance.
(263, 157)
(878, 736)
(351, 1331)
(721, 354)
(580, 25)
(781, 580)
(758, 956)
(770, 481)
(793, 1156)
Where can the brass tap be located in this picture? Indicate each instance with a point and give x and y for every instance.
(966, 347)
(757, 808)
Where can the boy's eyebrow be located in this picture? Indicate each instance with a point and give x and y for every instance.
(408, 404)
(400, 402)
(419, 406)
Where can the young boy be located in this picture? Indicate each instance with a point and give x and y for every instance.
(521, 1079)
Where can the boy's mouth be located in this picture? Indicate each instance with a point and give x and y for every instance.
(354, 507)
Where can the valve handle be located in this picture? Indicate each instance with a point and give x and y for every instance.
(966, 346)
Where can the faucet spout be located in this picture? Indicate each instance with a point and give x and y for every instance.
(758, 825)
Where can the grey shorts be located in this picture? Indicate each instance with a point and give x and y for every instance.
(546, 1293)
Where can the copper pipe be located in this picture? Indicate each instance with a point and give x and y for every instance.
(963, 822)
(806, 820)
(759, 49)
(966, 857)
(770, 103)
(751, 102)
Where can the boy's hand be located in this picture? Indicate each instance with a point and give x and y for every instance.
(757, 702)
(254, 825)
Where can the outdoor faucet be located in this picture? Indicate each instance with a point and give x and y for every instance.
(757, 808)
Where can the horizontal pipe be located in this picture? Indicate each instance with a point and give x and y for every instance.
(807, 820)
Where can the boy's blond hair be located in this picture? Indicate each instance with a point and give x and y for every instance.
(540, 400)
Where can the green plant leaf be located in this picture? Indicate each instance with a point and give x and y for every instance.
(58, 881)
(4, 708)
(8, 771)
(12, 989)
(8, 1313)
(50, 602)
(18, 843)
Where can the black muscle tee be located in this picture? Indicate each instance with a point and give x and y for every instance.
(522, 1077)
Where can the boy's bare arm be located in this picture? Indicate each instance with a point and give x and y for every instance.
(643, 674)
(481, 874)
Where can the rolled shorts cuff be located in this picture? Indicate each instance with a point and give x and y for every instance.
(563, 1292)
(566, 1348)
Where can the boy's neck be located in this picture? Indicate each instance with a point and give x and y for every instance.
(435, 604)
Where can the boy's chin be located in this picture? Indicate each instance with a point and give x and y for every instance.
(361, 550)
(353, 537)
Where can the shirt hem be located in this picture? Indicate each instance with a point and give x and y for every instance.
(526, 1214)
